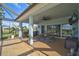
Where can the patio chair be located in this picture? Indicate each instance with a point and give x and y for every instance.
(71, 43)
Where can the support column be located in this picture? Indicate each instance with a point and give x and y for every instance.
(1, 29)
(20, 30)
(45, 28)
(61, 30)
(58, 30)
(42, 29)
(31, 30)
(39, 29)
(1, 17)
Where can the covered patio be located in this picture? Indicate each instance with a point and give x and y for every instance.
(17, 47)
(47, 34)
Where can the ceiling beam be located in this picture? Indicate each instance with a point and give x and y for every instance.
(13, 20)
(11, 10)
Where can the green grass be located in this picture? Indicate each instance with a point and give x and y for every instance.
(6, 33)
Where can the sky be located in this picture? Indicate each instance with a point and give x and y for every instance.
(18, 8)
(67, 26)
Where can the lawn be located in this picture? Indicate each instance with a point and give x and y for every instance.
(8, 32)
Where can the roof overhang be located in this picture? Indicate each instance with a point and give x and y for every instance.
(54, 10)
(25, 11)
(34, 10)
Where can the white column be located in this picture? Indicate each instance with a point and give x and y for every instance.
(1, 30)
(45, 28)
(39, 29)
(20, 30)
(61, 30)
(31, 30)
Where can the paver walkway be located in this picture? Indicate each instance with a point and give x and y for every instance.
(17, 47)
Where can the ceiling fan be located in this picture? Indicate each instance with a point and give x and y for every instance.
(45, 18)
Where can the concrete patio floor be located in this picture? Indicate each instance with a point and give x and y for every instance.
(17, 47)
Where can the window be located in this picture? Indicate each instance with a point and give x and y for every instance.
(66, 30)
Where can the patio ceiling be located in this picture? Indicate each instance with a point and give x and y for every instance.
(60, 11)
(52, 11)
